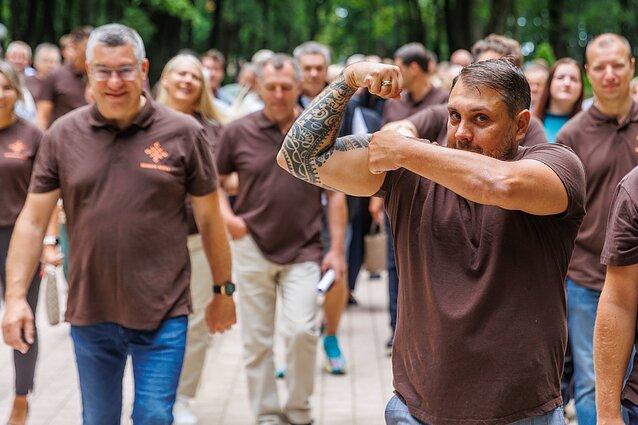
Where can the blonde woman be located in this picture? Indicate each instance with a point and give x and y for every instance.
(183, 87)
(19, 142)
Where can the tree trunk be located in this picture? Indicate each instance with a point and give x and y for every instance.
(48, 17)
(214, 36)
(557, 27)
(417, 29)
(499, 10)
(31, 33)
(460, 25)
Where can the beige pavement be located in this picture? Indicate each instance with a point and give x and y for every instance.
(357, 398)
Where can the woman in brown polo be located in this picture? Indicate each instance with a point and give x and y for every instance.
(19, 142)
(183, 87)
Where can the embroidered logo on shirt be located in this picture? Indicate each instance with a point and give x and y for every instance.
(157, 153)
(18, 150)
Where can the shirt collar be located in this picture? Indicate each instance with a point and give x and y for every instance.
(143, 119)
(599, 118)
(263, 122)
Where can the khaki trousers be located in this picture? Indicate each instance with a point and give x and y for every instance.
(198, 337)
(258, 281)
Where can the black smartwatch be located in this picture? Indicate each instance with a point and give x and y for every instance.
(227, 288)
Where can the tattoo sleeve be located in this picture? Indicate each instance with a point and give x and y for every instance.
(312, 139)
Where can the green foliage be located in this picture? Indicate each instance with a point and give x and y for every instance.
(137, 18)
(545, 51)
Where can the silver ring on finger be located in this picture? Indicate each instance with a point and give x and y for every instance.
(386, 83)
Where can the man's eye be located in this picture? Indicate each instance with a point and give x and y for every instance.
(482, 118)
(454, 116)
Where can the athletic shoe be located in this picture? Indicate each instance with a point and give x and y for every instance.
(335, 362)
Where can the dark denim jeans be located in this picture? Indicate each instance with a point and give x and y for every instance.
(582, 304)
(393, 278)
(157, 356)
(396, 413)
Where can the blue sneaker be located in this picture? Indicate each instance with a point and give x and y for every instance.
(280, 373)
(335, 362)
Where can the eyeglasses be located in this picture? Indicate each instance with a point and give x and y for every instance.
(127, 73)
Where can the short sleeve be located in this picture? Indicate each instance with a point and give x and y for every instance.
(201, 174)
(564, 162)
(224, 151)
(535, 133)
(45, 176)
(621, 241)
(430, 121)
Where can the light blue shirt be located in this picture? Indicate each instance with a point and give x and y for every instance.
(553, 124)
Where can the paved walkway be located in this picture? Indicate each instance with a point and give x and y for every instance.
(357, 398)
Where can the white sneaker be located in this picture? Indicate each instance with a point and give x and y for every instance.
(183, 413)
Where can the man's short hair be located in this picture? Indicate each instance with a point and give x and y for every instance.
(18, 44)
(500, 44)
(115, 35)
(312, 48)
(279, 61)
(44, 48)
(414, 52)
(607, 40)
(65, 40)
(80, 34)
(215, 55)
(502, 76)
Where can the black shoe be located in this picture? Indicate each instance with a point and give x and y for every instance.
(352, 300)
(388, 346)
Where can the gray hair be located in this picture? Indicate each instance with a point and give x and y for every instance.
(312, 48)
(278, 61)
(114, 35)
(43, 48)
(502, 76)
(19, 45)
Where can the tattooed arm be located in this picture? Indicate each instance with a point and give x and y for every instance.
(311, 150)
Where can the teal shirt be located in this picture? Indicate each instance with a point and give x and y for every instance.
(553, 124)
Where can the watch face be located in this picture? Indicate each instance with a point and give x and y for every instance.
(229, 288)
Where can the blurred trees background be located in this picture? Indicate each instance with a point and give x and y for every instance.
(545, 28)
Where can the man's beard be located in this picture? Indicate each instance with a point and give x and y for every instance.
(504, 151)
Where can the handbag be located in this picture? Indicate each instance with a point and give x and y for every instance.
(376, 249)
(53, 281)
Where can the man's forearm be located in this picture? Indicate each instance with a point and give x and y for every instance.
(22, 259)
(613, 338)
(337, 220)
(217, 249)
(309, 143)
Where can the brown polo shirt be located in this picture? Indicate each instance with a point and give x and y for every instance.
(211, 130)
(621, 248)
(431, 124)
(283, 213)
(18, 146)
(124, 195)
(481, 329)
(395, 110)
(65, 87)
(608, 150)
(35, 86)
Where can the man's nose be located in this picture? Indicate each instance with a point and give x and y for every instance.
(463, 132)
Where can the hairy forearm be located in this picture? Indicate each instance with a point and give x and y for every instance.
(613, 339)
(337, 220)
(311, 139)
(22, 259)
(217, 249)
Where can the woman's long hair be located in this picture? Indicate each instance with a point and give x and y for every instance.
(543, 104)
(12, 76)
(205, 106)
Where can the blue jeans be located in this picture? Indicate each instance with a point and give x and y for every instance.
(582, 304)
(396, 413)
(101, 351)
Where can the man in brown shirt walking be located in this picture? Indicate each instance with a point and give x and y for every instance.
(123, 167)
(483, 230)
(276, 226)
(64, 89)
(616, 331)
(605, 138)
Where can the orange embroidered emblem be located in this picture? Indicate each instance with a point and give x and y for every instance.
(17, 149)
(157, 153)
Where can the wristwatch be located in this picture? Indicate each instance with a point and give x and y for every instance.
(227, 288)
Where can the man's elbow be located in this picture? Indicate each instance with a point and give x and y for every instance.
(281, 160)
